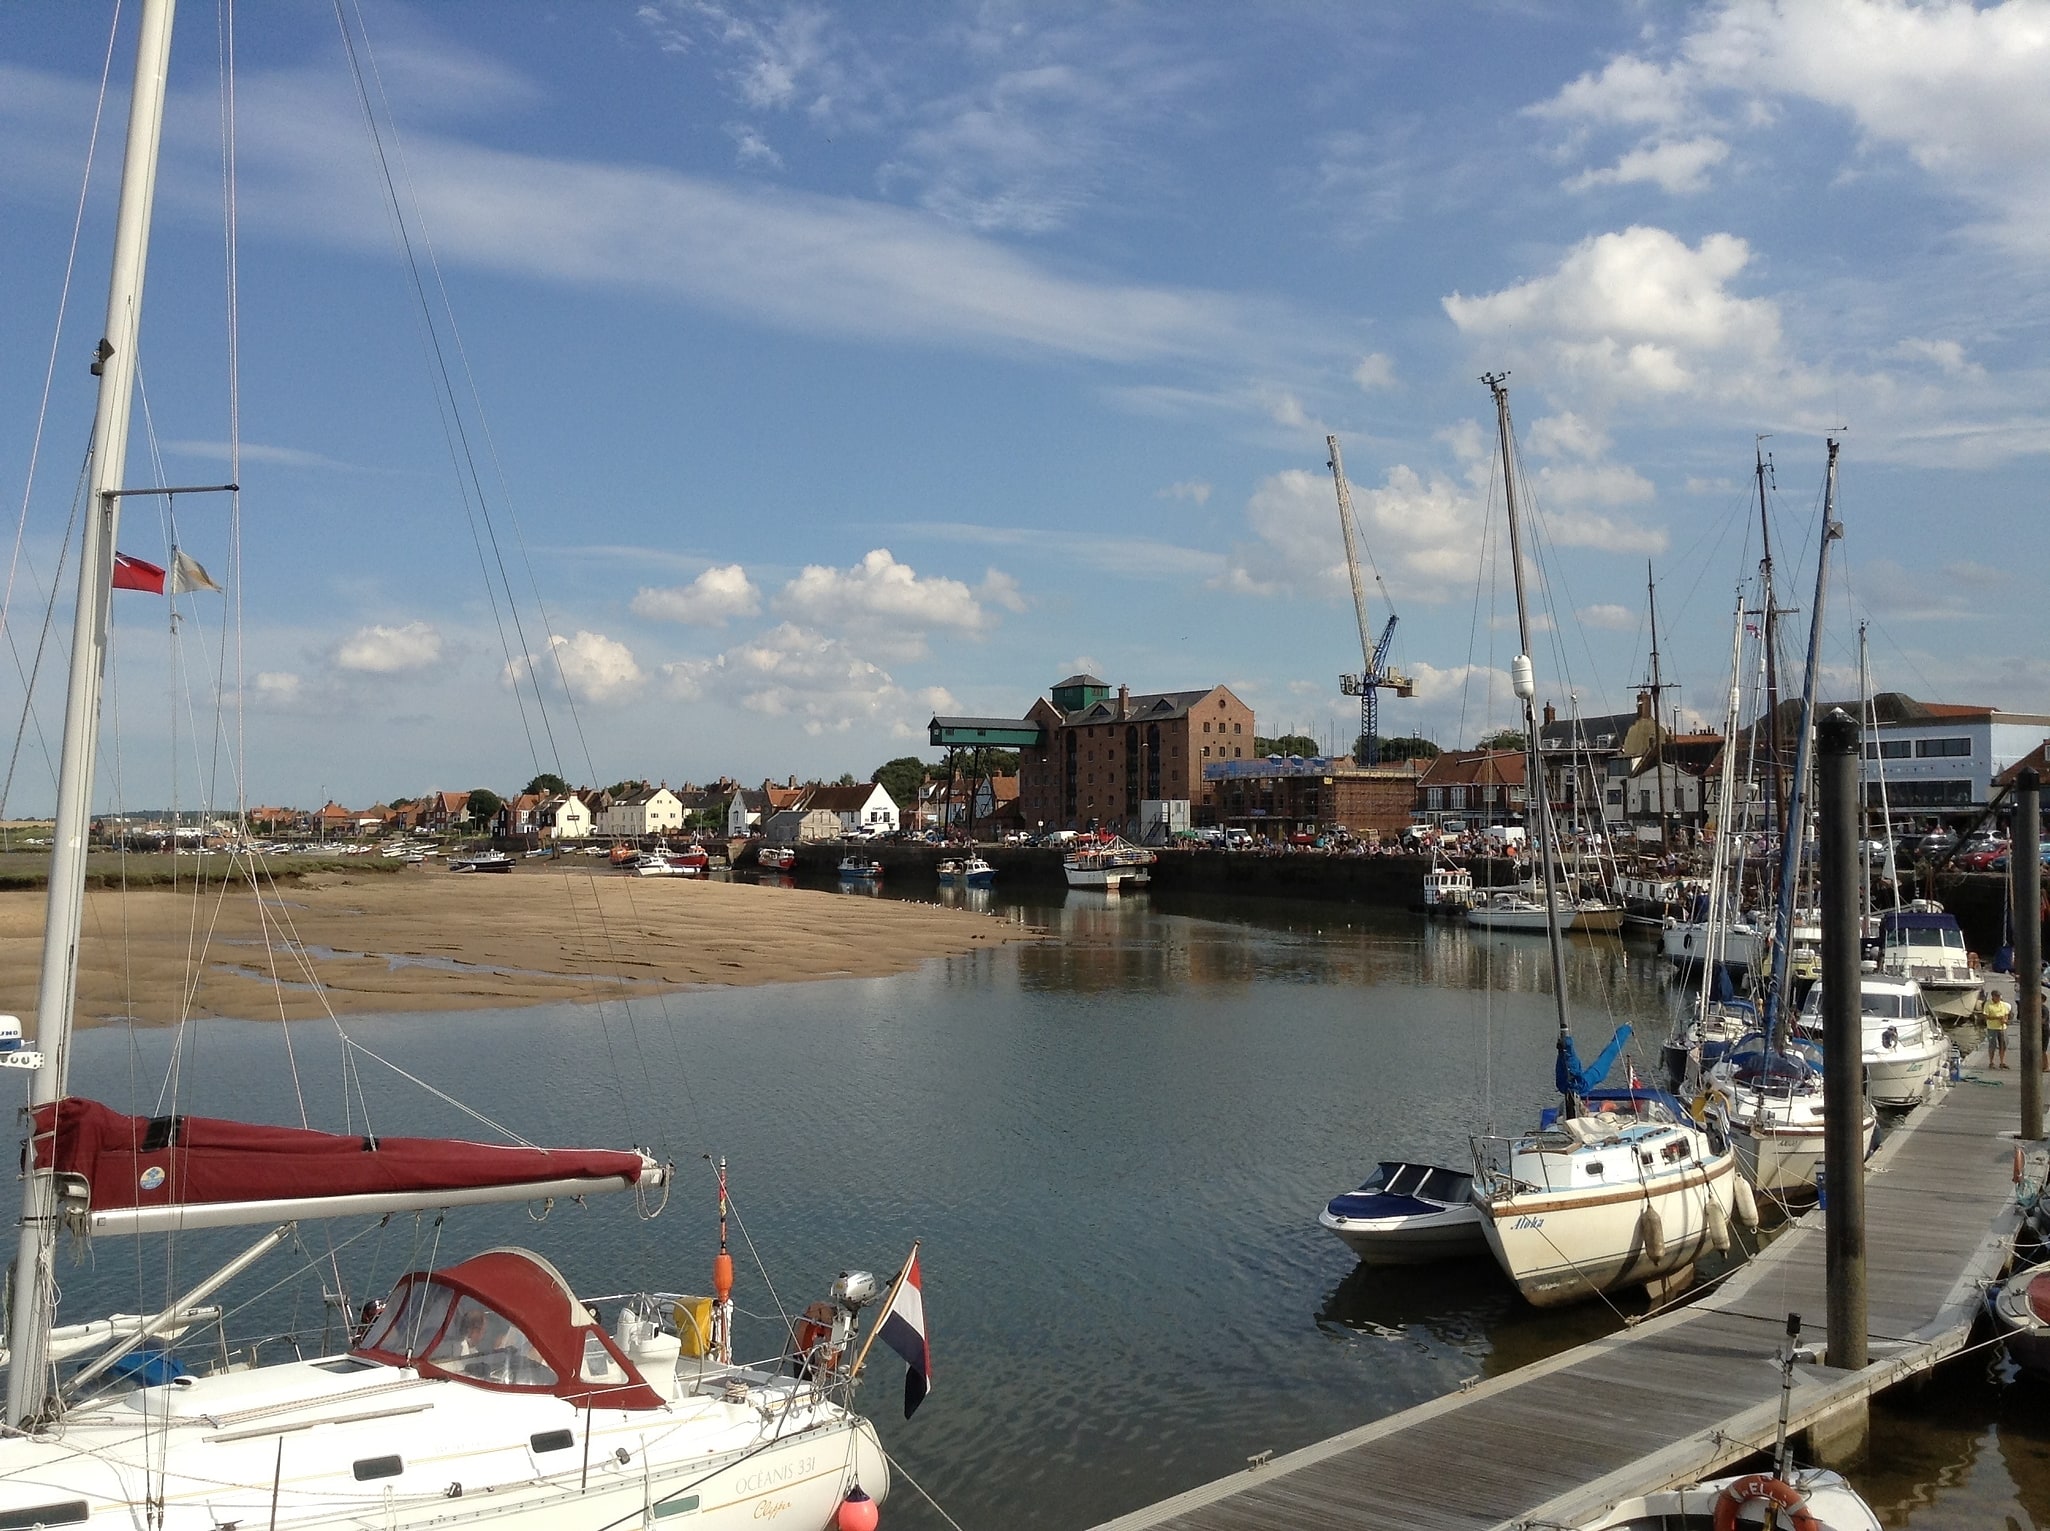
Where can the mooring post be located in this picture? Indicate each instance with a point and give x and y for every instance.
(1843, 1046)
(2024, 858)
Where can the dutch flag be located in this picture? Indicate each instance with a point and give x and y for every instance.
(903, 1330)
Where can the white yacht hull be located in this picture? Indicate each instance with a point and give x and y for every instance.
(1685, 945)
(1782, 1158)
(295, 1437)
(1564, 1246)
(1905, 1075)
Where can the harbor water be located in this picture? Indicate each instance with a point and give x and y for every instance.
(1114, 1144)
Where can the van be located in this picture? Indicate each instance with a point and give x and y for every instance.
(1238, 840)
(1506, 835)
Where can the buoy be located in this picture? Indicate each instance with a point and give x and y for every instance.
(1746, 1203)
(1651, 1229)
(1759, 1488)
(857, 1512)
(722, 1275)
(1718, 1226)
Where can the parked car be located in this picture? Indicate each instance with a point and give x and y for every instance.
(1980, 858)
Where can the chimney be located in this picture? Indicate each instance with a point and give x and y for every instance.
(1124, 702)
(1551, 714)
(1644, 704)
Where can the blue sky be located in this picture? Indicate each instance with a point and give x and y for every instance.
(838, 365)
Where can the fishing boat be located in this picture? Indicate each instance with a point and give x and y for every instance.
(691, 861)
(1408, 1214)
(484, 1391)
(1615, 1188)
(1448, 889)
(1924, 942)
(481, 861)
(1905, 1050)
(777, 858)
(860, 869)
(973, 872)
(1107, 863)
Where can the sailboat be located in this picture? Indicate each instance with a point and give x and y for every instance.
(483, 1391)
(1768, 1088)
(1617, 1187)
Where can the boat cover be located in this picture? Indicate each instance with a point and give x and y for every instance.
(1571, 1079)
(506, 1320)
(161, 1161)
(1905, 919)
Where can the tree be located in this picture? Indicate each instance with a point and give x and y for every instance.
(1286, 744)
(1505, 739)
(900, 778)
(484, 805)
(1409, 747)
(549, 783)
(846, 780)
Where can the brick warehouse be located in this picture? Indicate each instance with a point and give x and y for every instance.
(1279, 796)
(1099, 755)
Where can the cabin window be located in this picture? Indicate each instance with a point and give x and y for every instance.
(1596, 1169)
(378, 1467)
(480, 1344)
(551, 1440)
(71, 1512)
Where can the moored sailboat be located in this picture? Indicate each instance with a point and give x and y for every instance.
(486, 1390)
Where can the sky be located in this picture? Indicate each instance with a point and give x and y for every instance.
(778, 375)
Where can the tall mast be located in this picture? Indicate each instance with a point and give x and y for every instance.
(1769, 620)
(1534, 789)
(29, 1395)
(1790, 846)
(1657, 688)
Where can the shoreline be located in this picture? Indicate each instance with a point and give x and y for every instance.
(432, 941)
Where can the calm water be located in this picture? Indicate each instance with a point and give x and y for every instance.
(1114, 1146)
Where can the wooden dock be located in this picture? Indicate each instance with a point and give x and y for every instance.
(1678, 1397)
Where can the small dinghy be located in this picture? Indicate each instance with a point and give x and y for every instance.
(1811, 1499)
(1406, 1214)
(2021, 1311)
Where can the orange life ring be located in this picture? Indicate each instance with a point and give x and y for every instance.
(1765, 1489)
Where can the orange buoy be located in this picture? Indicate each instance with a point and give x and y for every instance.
(1765, 1489)
(857, 1512)
(722, 1275)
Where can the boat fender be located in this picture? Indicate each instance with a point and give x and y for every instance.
(1651, 1230)
(2018, 1164)
(1758, 1488)
(1718, 1226)
(1744, 1201)
(857, 1512)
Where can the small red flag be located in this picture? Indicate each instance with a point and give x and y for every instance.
(134, 574)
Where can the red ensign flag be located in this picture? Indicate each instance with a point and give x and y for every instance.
(134, 574)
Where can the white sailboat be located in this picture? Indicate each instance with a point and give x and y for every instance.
(1621, 1187)
(486, 1391)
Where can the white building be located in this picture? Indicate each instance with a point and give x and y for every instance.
(865, 808)
(650, 811)
(564, 817)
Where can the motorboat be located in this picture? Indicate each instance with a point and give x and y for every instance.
(691, 861)
(860, 869)
(973, 872)
(1108, 863)
(1905, 1050)
(1807, 1499)
(776, 858)
(1448, 889)
(1408, 1214)
(481, 861)
(2020, 1309)
(1924, 942)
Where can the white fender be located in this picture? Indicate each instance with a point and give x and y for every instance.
(1745, 1203)
(1651, 1229)
(1718, 1225)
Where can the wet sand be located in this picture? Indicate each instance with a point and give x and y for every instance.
(430, 940)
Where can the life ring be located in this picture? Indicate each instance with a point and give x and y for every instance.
(814, 1334)
(1767, 1490)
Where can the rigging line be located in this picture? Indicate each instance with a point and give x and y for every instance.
(446, 404)
(898, 1468)
(28, 678)
(63, 307)
(353, 1046)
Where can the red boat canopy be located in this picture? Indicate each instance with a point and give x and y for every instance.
(170, 1162)
(506, 1320)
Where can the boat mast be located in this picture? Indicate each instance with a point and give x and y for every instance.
(1790, 847)
(1657, 688)
(1525, 681)
(1769, 620)
(1877, 756)
(29, 1395)
(1722, 906)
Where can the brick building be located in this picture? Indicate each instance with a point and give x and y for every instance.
(1100, 754)
(1469, 788)
(1283, 794)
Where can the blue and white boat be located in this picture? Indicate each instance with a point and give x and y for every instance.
(1408, 1214)
(972, 873)
(1923, 942)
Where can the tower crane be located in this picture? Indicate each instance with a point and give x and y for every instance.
(1376, 675)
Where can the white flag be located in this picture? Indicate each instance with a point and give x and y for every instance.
(186, 574)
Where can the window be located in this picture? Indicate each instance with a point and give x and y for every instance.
(1927, 749)
(1237, 728)
(1459, 797)
(1206, 728)
(551, 1440)
(1896, 749)
(1434, 797)
(1236, 752)
(1206, 752)
(378, 1467)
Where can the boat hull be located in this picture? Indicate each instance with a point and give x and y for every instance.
(1452, 1233)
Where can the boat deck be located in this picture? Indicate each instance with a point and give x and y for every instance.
(1680, 1396)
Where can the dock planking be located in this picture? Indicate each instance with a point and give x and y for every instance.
(1676, 1397)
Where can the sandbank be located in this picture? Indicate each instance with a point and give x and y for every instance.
(429, 940)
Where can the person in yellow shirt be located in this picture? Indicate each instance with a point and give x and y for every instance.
(1994, 1013)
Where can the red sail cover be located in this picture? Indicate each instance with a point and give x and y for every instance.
(143, 1161)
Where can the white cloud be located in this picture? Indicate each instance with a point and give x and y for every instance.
(1639, 312)
(820, 681)
(595, 668)
(889, 605)
(1679, 166)
(1946, 356)
(389, 650)
(716, 595)
(1375, 371)
(1628, 91)
(278, 687)
(1565, 435)
(1187, 489)
(751, 149)
(1608, 617)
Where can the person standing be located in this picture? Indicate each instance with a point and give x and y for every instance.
(1994, 1012)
